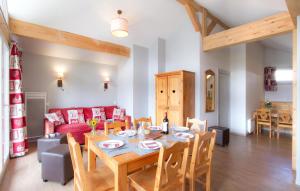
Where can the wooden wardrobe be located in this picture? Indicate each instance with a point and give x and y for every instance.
(175, 94)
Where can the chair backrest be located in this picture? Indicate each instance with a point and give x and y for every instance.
(285, 117)
(171, 167)
(202, 151)
(197, 125)
(263, 115)
(136, 122)
(78, 165)
(116, 126)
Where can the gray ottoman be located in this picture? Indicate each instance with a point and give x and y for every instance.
(44, 143)
(57, 164)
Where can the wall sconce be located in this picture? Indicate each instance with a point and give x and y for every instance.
(60, 76)
(105, 83)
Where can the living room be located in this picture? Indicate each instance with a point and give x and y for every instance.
(75, 62)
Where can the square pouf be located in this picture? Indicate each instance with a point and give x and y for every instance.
(57, 164)
(222, 137)
(44, 143)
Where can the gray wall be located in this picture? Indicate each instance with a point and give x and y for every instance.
(83, 82)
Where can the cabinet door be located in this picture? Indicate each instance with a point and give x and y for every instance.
(175, 99)
(161, 98)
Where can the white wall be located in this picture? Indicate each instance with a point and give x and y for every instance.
(254, 78)
(281, 60)
(214, 60)
(140, 82)
(183, 53)
(157, 64)
(238, 89)
(83, 81)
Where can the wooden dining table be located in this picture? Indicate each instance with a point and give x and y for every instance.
(121, 165)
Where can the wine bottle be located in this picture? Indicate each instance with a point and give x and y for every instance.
(165, 124)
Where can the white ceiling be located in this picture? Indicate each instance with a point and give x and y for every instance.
(148, 19)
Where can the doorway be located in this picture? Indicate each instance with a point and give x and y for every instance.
(224, 98)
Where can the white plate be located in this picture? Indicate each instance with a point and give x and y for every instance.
(150, 145)
(155, 128)
(182, 135)
(180, 128)
(111, 144)
(128, 133)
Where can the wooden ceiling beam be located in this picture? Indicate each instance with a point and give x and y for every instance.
(211, 26)
(257, 30)
(294, 9)
(192, 8)
(26, 29)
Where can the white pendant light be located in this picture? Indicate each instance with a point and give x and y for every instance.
(119, 26)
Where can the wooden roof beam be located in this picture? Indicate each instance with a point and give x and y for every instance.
(35, 31)
(294, 9)
(257, 30)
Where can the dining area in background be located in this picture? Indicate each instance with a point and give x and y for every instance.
(147, 159)
(275, 116)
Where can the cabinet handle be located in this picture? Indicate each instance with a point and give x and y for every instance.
(173, 91)
(161, 91)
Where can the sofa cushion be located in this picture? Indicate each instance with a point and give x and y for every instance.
(98, 113)
(59, 119)
(75, 116)
(109, 111)
(119, 114)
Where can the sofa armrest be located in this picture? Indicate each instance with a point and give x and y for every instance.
(48, 127)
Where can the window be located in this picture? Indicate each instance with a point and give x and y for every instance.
(284, 75)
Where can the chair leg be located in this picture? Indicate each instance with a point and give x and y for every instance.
(192, 184)
(208, 177)
(270, 133)
(256, 128)
(277, 132)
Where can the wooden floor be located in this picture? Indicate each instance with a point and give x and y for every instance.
(249, 163)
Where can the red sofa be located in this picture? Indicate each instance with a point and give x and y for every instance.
(78, 130)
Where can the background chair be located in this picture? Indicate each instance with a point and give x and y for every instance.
(201, 160)
(136, 122)
(263, 118)
(95, 180)
(116, 126)
(284, 121)
(197, 125)
(169, 174)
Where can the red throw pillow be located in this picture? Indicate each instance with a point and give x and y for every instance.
(56, 118)
(119, 114)
(75, 116)
(99, 113)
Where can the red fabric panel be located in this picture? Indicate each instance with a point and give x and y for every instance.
(15, 74)
(18, 122)
(16, 98)
(88, 114)
(109, 111)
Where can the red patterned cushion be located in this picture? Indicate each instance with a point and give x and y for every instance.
(75, 116)
(99, 113)
(109, 111)
(56, 118)
(119, 114)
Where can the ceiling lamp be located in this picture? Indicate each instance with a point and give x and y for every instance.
(119, 26)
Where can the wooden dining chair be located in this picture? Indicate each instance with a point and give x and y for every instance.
(263, 119)
(116, 126)
(196, 124)
(169, 174)
(200, 164)
(284, 120)
(136, 122)
(100, 179)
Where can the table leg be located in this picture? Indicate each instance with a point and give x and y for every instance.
(91, 159)
(121, 181)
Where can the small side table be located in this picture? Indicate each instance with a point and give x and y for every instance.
(222, 137)
(43, 144)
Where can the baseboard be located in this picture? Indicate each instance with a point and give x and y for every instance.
(4, 170)
(34, 139)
